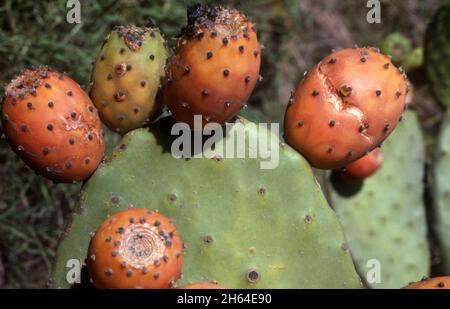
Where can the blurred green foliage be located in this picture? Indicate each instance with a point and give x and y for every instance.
(295, 33)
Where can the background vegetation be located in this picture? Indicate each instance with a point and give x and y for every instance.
(296, 34)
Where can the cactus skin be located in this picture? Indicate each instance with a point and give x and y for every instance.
(135, 248)
(344, 107)
(127, 76)
(397, 46)
(202, 286)
(385, 220)
(238, 222)
(51, 123)
(364, 167)
(215, 67)
(437, 283)
(436, 50)
(441, 192)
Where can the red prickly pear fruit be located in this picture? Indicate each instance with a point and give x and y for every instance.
(51, 123)
(215, 67)
(135, 248)
(439, 283)
(345, 106)
(202, 286)
(364, 167)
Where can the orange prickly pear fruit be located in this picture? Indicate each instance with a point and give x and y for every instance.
(345, 106)
(364, 167)
(135, 248)
(202, 286)
(51, 123)
(430, 284)
(215, 67)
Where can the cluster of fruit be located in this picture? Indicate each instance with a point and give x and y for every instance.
(337, 118)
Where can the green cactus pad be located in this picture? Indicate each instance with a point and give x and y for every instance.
(437, 55)
(441, 192)
(233, 216)
(385, 219)
(396, 45)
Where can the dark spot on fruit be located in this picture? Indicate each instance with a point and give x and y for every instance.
(386, 66)
(136, 110)
(256, 53)
(91, 108)
(156, 275)
(119, 96)
(69, 93)
(143, 83)
(14, 101)
(345, 91)
(108, 272)
(45, 150)
(209, 55)
(241, 49)
(50, 127)
(363, 59)
(226, 72)
(129, 67)
(122, 50)
(87, 161)
(248, 79)
(332, 61)
(386, 127)
(225, 41)
(90, 136)
(23, 128)
(441, 285)
(228, 102)
(50, 104)
(129, 273)
(68, 164)
(71, 141)
(201, 35)
(252, 276)
(61, 76)
(152, 57)
(47, 85)
(398, 94)
(102, 58)
(400, 119)
(378, 93)
(331, 123)
(187, 70)
(308, 219)
(110, 76)
(157, 223)
(205, 92)
(73, 115)
(315, 93)
(213, 34)
(350, 154)
(30, 105)
(114, 253)
(361, 129)
(329, 149)
(300, 124)
(108, 239)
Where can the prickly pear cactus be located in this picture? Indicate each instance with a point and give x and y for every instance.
(127, 76)
(437, 49)
(441, 190)
(242, 226)
(384, 220)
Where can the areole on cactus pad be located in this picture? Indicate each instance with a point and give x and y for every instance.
(241, 225)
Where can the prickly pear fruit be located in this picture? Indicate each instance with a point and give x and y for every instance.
(442, 283)
(51, 123)
(397, 46)
(436, 51)
(215, 67)
(202, 286)
(345, 106)
(127, 76)
(135, 248)
(364, 167)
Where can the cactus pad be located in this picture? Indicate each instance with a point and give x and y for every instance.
(385, 219)
(242, 226)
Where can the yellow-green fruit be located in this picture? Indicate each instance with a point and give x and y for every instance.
(127, 76)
